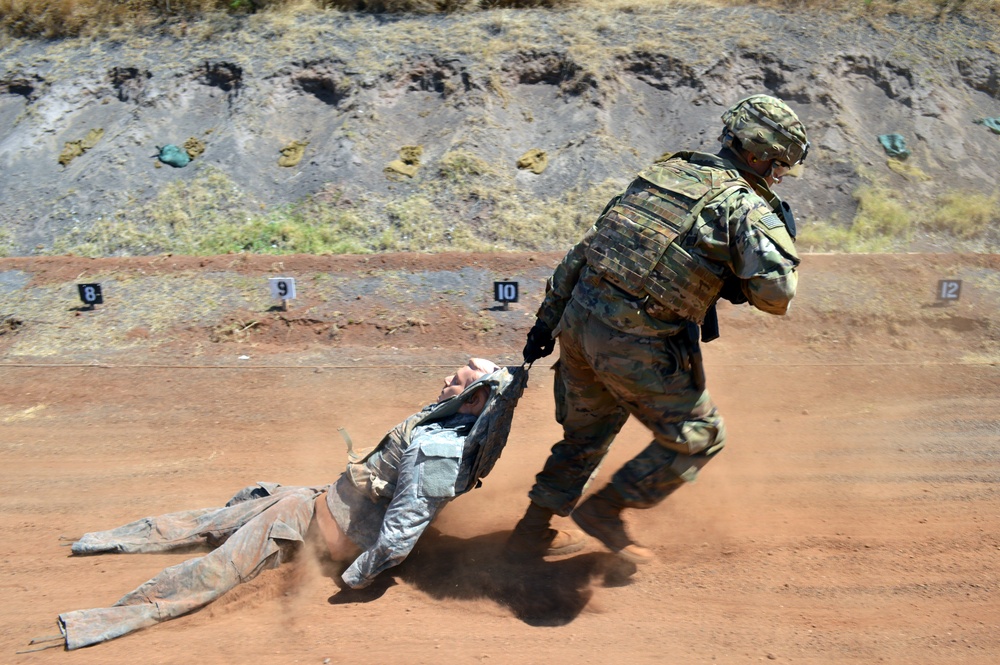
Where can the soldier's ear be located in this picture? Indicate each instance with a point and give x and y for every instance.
(477, 402)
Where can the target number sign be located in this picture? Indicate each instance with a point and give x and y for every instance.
(90, 294)
(282, 288)
(505, 292)
(949, 289)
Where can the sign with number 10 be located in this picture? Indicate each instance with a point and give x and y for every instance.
(505, 292)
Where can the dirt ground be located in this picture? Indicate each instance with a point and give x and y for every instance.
(853, 517)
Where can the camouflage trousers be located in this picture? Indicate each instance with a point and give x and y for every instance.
(602, 377)
(255, 534)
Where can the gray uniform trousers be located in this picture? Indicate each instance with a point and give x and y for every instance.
(257, 535)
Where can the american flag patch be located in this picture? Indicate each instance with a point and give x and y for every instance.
(771, 221)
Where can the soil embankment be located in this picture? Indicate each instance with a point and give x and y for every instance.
(407, 132)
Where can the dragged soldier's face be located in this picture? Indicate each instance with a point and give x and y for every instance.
(463, 378)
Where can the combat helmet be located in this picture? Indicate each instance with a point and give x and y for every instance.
(767, 128)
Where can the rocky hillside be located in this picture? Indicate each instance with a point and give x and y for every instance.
(343, 132)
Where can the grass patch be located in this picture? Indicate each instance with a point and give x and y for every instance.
(965, 214)
(457, 166)
(469, 206)
(883, 222)
(6, 243)
(184, 218)
(908, 170)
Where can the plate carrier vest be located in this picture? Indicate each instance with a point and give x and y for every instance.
(638, 243)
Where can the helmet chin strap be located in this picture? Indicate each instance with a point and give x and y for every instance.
(770, 174)
(767, 175)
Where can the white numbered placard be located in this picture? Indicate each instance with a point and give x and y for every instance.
(282, 288)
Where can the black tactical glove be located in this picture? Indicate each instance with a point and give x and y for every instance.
(732, 290)
(540, 342)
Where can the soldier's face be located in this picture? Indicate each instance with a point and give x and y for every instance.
(465, 376)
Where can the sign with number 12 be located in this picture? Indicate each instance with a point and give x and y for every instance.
(949, 289)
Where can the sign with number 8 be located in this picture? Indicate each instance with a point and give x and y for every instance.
(90, 294)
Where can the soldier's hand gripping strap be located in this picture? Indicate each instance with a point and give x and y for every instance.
(539, 343)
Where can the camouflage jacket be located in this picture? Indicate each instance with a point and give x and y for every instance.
(735, 233)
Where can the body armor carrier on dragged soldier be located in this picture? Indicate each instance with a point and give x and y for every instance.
(638, 243)
(489, 434)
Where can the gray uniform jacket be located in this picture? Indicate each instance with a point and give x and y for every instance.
(435, 462)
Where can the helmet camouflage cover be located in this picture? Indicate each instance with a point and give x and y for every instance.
(767, 128)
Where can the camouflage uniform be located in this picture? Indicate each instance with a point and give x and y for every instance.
(624, 347)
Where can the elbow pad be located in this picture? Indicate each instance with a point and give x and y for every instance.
(774, 294)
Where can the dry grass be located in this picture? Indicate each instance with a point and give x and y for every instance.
(965, 214)
(886, 221)
(63, 18)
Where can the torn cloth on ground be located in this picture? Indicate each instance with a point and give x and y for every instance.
(174, 156)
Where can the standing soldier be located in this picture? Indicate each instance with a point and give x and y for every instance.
(627, 303)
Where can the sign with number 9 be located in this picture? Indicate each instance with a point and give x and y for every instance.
(282, 288)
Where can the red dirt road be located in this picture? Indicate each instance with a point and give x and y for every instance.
(854, 516)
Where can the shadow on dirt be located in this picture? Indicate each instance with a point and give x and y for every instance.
(538, 592)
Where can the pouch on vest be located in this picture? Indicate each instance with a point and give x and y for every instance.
(635, 232)
(439, 468)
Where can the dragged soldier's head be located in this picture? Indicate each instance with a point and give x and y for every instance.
(464, 377)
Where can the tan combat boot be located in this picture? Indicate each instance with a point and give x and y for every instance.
(600, 517)
(534, 538)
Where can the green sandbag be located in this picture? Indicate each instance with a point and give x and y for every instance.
(993, 124)
(174, 156)
(894, 145)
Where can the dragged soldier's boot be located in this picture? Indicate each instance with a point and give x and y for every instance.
(534, 538)
(600, 517)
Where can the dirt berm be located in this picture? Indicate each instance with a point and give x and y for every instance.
(422, 307)
(413, 127)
